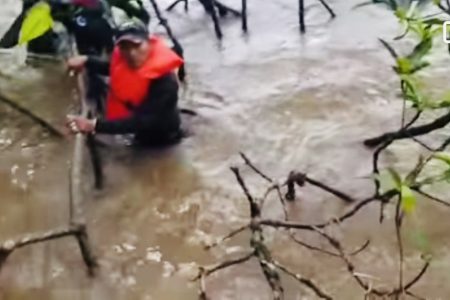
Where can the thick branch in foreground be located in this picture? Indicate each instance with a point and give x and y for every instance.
(86, 250)
(77, 231)
(96, 161)
(76, 227)
(409, 132)
(271, 268)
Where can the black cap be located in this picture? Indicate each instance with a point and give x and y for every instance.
(133, 31)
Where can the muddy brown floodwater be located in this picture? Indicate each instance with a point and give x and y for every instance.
(288, 101)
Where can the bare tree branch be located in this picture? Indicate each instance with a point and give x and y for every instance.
(418, 276)
(312, 227)
(254, 208)
(77, 231)
(210, 270)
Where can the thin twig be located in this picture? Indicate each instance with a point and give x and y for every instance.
(360, 249)
(328, 8)
(256, 169)
(224, 265)
(341, 195)
(227, 237)
(418, 276)
(308, 282)
(415, 296)
(398, 224)
(412, 282)
(311, 247)
(350, 266)
(31, 115)
(431, 197)
(376, 170)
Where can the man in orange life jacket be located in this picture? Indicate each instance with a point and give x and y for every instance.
(143, 94)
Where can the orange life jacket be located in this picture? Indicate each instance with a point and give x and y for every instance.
(129, 87)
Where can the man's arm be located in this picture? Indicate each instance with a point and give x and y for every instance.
(153, 113)
(98, 65)
(93, 63)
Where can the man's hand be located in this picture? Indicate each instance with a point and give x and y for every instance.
(80, 124)
(77, 63)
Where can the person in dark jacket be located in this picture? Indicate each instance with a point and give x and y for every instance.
(143, 92)
(90, 21)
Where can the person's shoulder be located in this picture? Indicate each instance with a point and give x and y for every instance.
(168, 79)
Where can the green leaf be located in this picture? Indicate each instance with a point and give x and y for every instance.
(422, 49)
(404, 65)
(419, 66)
(408, 199)
(428, 180)
(446, 176)
(443, 156)
(444, 100)
(410, 90)
(401, 13)
(434, 21)
(37, 22)
(396, 177)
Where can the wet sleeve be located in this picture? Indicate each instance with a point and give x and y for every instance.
(152, 115)
(98, 65)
